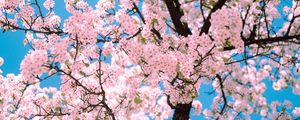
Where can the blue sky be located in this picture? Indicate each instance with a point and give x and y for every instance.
(13, 51)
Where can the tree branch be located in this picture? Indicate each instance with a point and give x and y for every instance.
(207, 24)
(176, 13)
(223, 95)
(271, 40)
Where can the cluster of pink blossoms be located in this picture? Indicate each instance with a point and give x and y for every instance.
(296, 111)
(226, 24)
(158, 60)
(32, 65)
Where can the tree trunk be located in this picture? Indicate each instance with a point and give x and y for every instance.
(182, 111)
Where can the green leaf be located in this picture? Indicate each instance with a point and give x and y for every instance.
(158, 114)
(221, 49)
(142, 40)
(154, 21)
(251, 98)
(225, 59)
(137, 100)
(57, 109)
(283, 109)
(254, 111)
(257, 7)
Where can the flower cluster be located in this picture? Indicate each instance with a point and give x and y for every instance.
(226, 24)
(129, 59)
(32, 65)
(296, 111)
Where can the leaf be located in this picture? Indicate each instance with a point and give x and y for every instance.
(137, 100)
(86, 64)
(257, 7)
(254, 111)
(158, 114)
(225, 59)
(213, 71)
(192, 94)
(212, 3)
(82, 73)
(142, 40)
(57, 109)
(221, 49)
(227, 44)
(283, 109)
(154, 21)
(251, 98)
(177, 67)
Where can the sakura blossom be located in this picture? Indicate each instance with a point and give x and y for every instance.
(134, 59)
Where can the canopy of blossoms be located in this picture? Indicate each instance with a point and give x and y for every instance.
(134, 59)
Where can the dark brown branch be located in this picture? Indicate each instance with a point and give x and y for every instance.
(103, 101)
(206, 25)
(202, 11)
(223, 95)
(59, 32)
(176, 13)
(272, 40)
(139, 13)
(263, 9)
(19, 101)
(292, 21)
(169, 102)
(77, 48)
(153, 30)
(69, 74)
(237, 61)
(39, 9)
(156, 33)
(138, 32)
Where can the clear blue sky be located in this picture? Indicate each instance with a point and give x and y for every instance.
(13, 51)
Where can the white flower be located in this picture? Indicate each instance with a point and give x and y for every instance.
(49, 4)
(276, 86)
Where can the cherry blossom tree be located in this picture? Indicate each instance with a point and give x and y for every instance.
(131, 59)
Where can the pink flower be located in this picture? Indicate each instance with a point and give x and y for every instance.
(296, 88)
(264, 112)
(282, 83)
(207, 113)
(31, 66)
(286, 9)
(296, 111)
(276, 86)
(288, 104)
